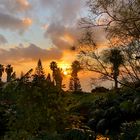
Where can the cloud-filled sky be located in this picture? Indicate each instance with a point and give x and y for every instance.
(45, 28)
(33, 29)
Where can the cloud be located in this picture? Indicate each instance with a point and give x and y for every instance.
(61, 36)
(10, 6)
(64, 11)
(3, 40)
(10, 22)
(26, 54)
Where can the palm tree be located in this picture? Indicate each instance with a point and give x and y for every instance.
(9, 70)
(53, 65)
(76, 67)
(1, 71)
(74, 84)
(116, 59)
(57, 74)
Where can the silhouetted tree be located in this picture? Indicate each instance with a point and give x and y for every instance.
(53, 67)
(116, 59)
(50, 83)
(39, 69)
(1, 71)
(13, 76)
(49, 78)
(75, 67)
(39, 75)
(74, 84)
(25, 78)
(119, 18)
(9, 70)
(120, 23)
(57, 74)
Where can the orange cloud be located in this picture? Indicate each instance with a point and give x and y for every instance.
(27, 21)
(23, 2)
(67, 38)
(22, 5)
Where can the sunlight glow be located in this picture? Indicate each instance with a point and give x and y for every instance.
(23, 2)
(65, 72)
(67, 38)
(27, 21)
(65, 68)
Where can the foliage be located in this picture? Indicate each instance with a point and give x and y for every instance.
(57, 75)
(74, 84)
(35, 110)
(40, 116)
(1, 71)
(130, 131)
(100, 90)
(80, 134)
(119, 20)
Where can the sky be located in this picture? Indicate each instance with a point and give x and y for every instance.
(45, 29)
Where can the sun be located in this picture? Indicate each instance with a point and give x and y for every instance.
(65, 72)
(65, 68)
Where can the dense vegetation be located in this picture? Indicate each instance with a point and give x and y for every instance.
(34, 107)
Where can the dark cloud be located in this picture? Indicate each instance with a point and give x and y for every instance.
(26, 54)
(3, 40)
(8, 21)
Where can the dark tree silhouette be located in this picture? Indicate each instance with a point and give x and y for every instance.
(116, 59)
(39, 75)
(9, 70)
(39, 69)
(57, 75)
(74, 84)
(13, 76)
(1, 71)
(49, 78)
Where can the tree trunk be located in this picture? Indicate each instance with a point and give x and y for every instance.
(116, 83)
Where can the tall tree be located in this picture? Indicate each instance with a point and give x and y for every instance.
(53, 67)
(39, 75)
(120, 21)
(116, 59)
(57, 74)
(74, 84)
(39, 69)
(1, 71)
(9, 71)
(120, 18)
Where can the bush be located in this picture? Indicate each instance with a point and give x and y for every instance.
(100, 90)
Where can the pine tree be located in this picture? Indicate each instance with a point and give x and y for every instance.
(39, 75)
